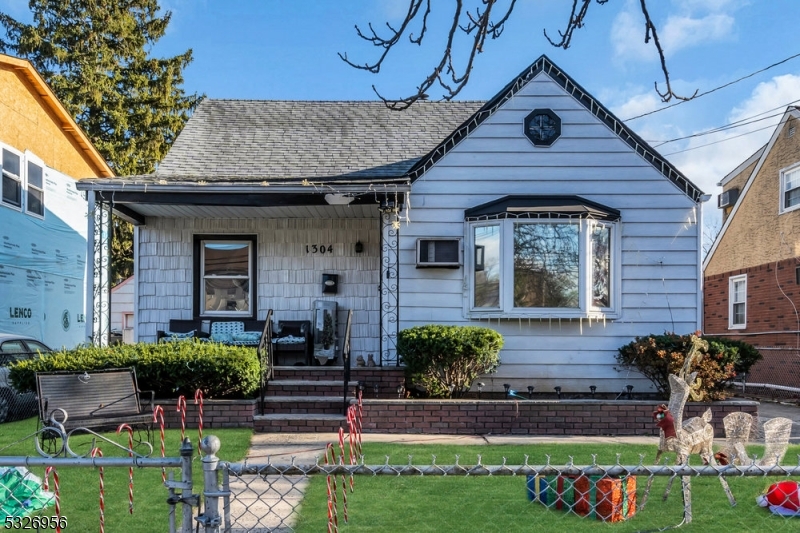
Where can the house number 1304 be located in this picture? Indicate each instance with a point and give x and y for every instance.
(319, 249)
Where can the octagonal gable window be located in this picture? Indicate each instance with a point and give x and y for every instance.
(542, 127)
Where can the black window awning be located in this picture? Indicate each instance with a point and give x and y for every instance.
(541, 206)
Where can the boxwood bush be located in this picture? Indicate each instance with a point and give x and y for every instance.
(658, 356)
(170, 369)
(445, 360)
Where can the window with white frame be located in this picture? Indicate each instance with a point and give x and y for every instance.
(12, 178)
(737, 302)
(23, 182)
(35, 189)
(224, 275)
(533, 259)
(790, 189)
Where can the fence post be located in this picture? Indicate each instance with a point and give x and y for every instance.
(187, 450)
(210, 519)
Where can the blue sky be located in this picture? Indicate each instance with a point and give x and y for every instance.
(269, 49)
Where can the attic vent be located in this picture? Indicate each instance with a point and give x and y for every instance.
(728, 198)
(790, 133)
(438, 253)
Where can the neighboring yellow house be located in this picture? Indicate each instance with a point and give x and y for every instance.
(752, 273)
(43, 233)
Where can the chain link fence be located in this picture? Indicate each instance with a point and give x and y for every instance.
(334, 494)
(775, 377)
(268, 497)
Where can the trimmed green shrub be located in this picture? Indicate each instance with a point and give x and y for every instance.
(170, 369)
(747, 353)
(658, 356)
(445, 360)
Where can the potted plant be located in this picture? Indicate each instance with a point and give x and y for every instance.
(324, 351)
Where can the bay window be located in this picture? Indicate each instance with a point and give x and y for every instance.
(543, 257)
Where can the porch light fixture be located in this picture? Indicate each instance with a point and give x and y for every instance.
(530, 392)
(558, 392)
(388, 205)
(359, 247)
(592, 389)
(481, 385)
(629, 388)
(338, 199)
(507, 388)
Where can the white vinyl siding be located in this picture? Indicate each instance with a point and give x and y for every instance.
(656, 250)
(737, 302)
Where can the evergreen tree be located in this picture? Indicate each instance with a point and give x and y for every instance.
(94, 54)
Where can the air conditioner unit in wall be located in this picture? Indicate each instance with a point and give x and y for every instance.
(728, 198)
(438, 253)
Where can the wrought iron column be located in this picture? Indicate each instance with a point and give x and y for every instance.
(98, 271)
(389, 290)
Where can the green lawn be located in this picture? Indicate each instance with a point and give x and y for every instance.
(79, 485)
(499, 504)
(421, 504)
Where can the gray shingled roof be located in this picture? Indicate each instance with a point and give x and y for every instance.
(259, 140)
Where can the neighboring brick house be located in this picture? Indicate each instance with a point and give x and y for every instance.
(752, 272)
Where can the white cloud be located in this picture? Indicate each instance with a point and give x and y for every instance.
(684, 31)
(689, 23)
(637, 105)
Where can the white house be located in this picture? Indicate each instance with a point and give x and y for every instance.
(536, 213)
(121, 320)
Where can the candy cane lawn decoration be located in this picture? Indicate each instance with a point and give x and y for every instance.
(96, 452)
(130, 470)
(333, 519)
(158, 412)
(182, 410)
(198, 400)
(344, 480)
(46, 486)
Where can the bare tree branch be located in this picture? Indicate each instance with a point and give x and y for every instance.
(479, 24)
(446, 74)
(650, 28)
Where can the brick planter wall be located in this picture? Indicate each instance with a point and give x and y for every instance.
(216, 414)
(531, 417)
